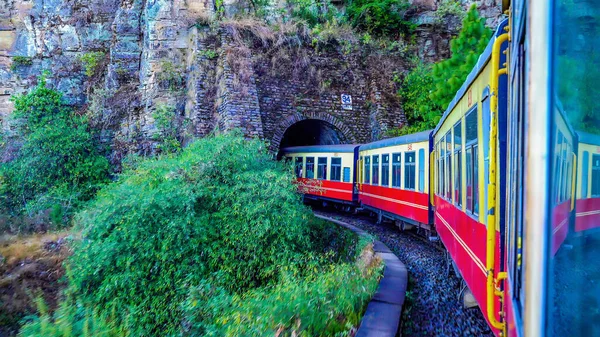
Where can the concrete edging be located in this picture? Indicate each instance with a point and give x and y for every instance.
(382, 318)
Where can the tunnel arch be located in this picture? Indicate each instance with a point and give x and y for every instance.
(313, 129)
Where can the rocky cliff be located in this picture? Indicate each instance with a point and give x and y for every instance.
(122, 61)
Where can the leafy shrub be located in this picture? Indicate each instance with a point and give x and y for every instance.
(420, 111)
(221, 211)
(70, 319)
(91, 61)
(315, 12)
(379, 17)
(449, 75)
(58, 162)
(165, 121)
(171, 75)
(322, 304)
(20, 61)
(448, 8)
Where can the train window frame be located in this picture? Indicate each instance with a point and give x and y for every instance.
(457, 161)
(448, 164)
(375, 165)
(335, 168)
(410, 184)
(360, 168)
(421, 163)
(595, 169)
(322, 168)
(301, 166)
(312, 175)
(346, 174)
(397, 164)
(385, 170)
(472, 146)
(367, 166)
(585, 163)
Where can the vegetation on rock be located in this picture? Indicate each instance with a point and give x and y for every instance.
(57, 164)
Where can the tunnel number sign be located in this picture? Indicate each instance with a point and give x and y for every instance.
(346, 102)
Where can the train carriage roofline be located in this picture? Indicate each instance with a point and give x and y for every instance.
(588, 138)
(418, 137)
(338, 148)
(484, 58)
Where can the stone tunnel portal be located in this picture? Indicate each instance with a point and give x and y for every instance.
(311, 132)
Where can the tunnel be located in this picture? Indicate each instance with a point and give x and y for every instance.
(311, 132)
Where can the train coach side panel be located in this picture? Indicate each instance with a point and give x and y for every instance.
(406, 203)
(588, 214)
(325, 188)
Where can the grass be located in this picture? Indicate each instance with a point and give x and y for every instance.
(16, 248)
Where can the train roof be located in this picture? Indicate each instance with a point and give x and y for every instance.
(340, 148)
(407, 139)
(483, 60)
(588, 138)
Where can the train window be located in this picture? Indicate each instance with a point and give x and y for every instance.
(346, 174)
(448, 166)
(572, 276)
(469, 175)
(421, 170)
(336, 169)
(475, 179)
(367, 170)
(457, 164)
(310, 167)
(595, 176)
(385, 170)
(298, 167)
(322, 168)
(409, 170)
(376, 170)
(585, 163)
(396, 169)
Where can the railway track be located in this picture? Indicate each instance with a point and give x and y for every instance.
(433, 306)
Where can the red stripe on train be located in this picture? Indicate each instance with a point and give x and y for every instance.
(588, 214)
(325, 188)
(406, 203)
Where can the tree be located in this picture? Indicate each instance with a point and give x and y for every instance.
(58, 164)
(449, 75)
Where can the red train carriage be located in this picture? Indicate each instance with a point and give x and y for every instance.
(469, 156)
(394, 178)
(587, 205)
(325, 172)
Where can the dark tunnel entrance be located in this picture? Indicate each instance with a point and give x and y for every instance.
(311, 132)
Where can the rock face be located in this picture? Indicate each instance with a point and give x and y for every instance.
(150, 54)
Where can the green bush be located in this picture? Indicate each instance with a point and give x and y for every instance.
(91, 61)
(221, 211)
(20, 61)
(449, 75)
(315, 12)
(324, 304)
(71, 319)
(58, 164)
(165, 120)
(420, 111)
(379, 17)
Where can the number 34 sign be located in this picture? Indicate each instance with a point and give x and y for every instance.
(346, 101)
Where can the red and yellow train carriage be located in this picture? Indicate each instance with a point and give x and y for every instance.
(394, 178)
(325, 172)
(587, 204)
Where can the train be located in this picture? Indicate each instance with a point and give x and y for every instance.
(505, 181)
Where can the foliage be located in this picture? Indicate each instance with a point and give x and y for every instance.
(70, 319)
(315, 12)
(324, 304)
(58, 162)
(165, 120)
(448, 8)
(171, 75)
(449, 75)
(91, 61)
(209, 53)
(379, 17)
(177, 221)
(20, 61)
(420, 111)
